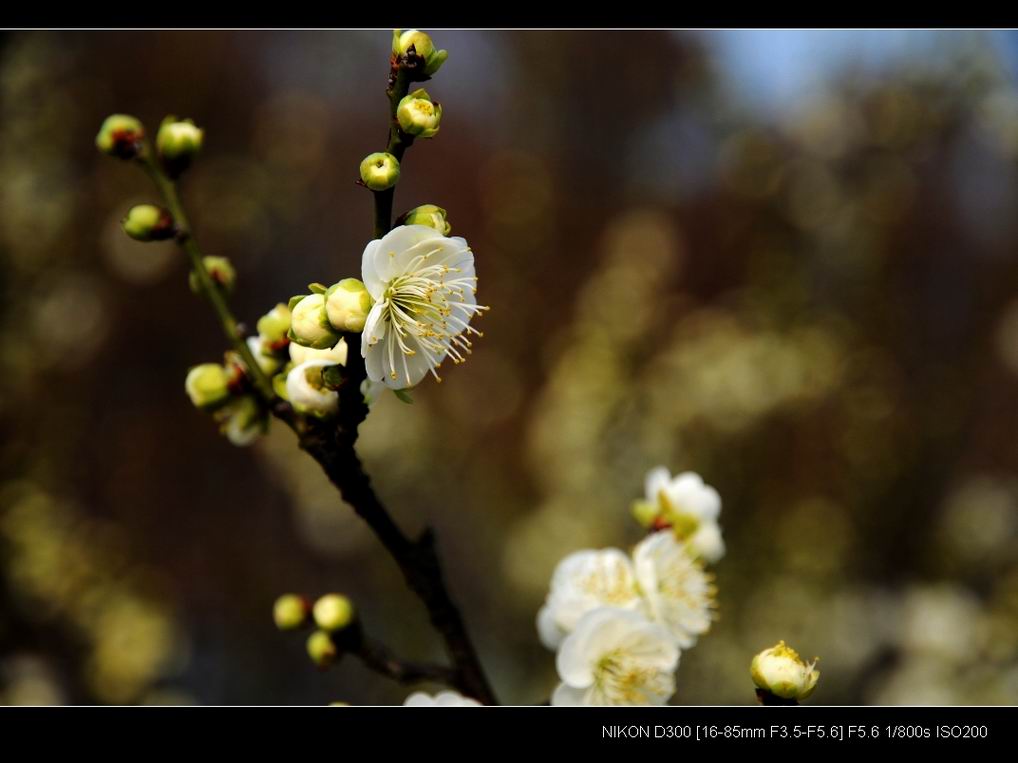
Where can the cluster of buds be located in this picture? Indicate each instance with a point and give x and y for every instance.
(417, 114)
(321, 316)
(333, 618)
(223, 390)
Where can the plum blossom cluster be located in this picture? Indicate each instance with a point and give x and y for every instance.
(410, 310)
(619, 621)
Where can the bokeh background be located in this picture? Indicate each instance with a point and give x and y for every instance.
(786, 260)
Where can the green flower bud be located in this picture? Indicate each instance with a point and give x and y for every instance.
(321, 649)
(274, 325)
(120, 135)
(333, 612)
(782, 672)
(427, 214)
(220, 270)
(177, 143)
(147, 222)
(208, 385)
(309, 323)
(380, 171)
(418, 115)
(418, 50)
(347, 304)
(290, 611)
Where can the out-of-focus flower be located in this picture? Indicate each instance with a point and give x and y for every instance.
(347, 304)
(243, 421)
(782, 672)
(676, 591)
(290, 611)
(120, 135)
(177, 142)
(208, 385)
(321, 649)
(147, 222)
(582, 582)
(686, 505)
(418, 115)
(616, 657)
(274, 326)
(423, 284)
(306, 389)
(267, 361)
(220, 270)
(309, 323)
(380, 171)
(442, 699)
(333, 612)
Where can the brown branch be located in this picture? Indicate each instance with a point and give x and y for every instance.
(331, 444)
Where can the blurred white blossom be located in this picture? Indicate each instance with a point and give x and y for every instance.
(616, 657)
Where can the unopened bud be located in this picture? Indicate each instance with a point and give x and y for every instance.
(274, 325)
(418, 50)
(347, 304)
(120, 135)
(309, 323)
(208, 385)
(427, 214)
(147, 222)
(333, 612)
(782, 672)
(321, 649)
(380, 171)
(177, 143)
(290, 611)
(418, 115)
(220, 270)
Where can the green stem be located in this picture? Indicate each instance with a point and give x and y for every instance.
(208, 287)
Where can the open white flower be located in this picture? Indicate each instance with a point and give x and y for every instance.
(423, 286)
(677, 593)
(690, 507)
(442, 699)
(306, 391)
(616, 657)
(583, 581)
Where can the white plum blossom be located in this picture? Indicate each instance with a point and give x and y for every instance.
(442, 699)
(616, 657)
(690, 507)
(583, 581)
(423, 286)
(663, 581)
(676, 591)
(306, 391)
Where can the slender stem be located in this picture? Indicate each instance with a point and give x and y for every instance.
(377, 657)
(208, 287)
(399, 142)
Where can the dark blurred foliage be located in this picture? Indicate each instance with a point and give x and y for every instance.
(817, 311)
